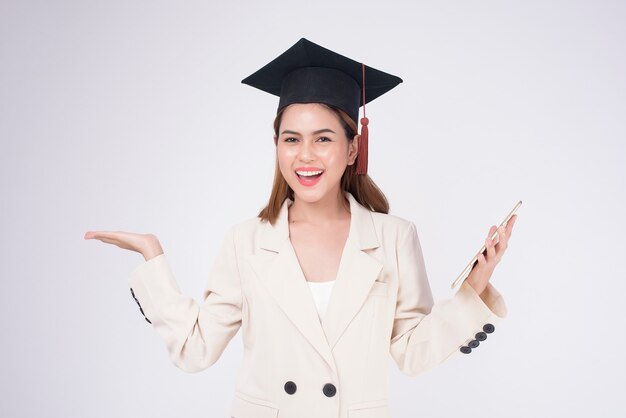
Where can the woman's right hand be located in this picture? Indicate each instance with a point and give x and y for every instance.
(147, 245)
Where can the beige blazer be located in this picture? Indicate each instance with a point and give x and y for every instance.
(294, 365)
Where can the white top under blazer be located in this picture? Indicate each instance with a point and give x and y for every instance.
(321, 295)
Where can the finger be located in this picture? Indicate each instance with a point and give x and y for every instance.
(510, 223)
(108, 237)
(109, 241)
(490, 234)
(93, 234)
(96, 234)
(491, 252)
(481, 259)
(502, 242)
(114, 235)
(502, 237)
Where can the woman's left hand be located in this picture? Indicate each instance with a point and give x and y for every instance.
(481, 272)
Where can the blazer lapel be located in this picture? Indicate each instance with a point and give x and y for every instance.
(357, 272)
(277, 266)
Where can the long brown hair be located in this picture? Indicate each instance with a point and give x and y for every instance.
(362, 187)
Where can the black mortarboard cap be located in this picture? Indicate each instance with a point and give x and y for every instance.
(310, 73)
(307, 73)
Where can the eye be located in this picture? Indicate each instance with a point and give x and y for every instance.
(326, 138)
(288, 139)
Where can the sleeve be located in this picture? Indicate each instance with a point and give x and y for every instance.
(424, 333)
(195, 336)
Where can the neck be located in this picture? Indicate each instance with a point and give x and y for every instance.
(332, 207)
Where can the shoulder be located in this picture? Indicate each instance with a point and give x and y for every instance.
(389, 219)
(244, 235)
(247, 227)
(387, 223)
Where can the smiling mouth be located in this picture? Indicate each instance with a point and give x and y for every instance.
(309, 176)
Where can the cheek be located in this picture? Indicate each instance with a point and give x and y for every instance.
(285, 158)
(336, 158)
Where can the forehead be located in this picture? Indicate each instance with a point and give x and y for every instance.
(309, 114)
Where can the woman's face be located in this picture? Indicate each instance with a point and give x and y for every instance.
(311, 140)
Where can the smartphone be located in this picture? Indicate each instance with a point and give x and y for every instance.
(483, 250)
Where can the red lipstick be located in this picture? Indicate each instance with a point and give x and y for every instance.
(309, 181)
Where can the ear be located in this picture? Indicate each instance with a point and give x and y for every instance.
(353, 149)
(275, 140)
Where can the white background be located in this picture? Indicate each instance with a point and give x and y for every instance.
(131, 115)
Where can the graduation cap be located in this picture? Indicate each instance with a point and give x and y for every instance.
(310, 73)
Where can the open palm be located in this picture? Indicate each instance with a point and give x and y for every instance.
(146, 244)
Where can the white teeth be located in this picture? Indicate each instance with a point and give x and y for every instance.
(309, 173)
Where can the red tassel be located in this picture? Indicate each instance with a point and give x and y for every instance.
(361, 159)
(361, 163)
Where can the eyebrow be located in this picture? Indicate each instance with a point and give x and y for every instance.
(314, 133)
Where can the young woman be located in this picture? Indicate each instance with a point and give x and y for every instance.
(324, 283)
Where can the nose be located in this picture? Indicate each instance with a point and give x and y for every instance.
(306, 151)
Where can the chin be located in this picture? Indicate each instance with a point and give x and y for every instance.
(312, 195)
(308, 197)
